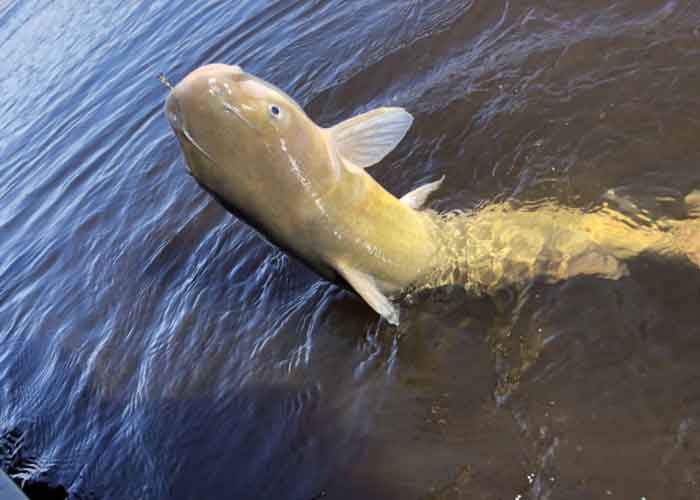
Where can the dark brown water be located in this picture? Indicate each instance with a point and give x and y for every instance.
(151, 346)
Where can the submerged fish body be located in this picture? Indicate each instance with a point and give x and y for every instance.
(306, 190)
(501, 246)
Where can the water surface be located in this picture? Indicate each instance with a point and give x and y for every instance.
(152, 346)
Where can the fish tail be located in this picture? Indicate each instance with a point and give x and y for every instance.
(687, 239)
(692, 204)
(687, 231)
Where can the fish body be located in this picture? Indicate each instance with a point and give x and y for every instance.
(305, 189)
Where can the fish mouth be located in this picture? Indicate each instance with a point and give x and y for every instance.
(177, 122)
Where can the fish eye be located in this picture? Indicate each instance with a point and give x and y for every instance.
(275, 111)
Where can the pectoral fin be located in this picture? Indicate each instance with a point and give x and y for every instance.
(366, 288)
(416, 198)
(364, 140)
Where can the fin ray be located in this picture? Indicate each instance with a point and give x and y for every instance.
(366, 287)
(366, 139)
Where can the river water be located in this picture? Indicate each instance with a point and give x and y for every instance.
(152, 346)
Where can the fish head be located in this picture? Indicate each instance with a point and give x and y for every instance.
(255, 149)
(242, 136)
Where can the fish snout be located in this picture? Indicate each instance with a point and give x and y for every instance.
(204, 82)
(211, 79)
(172, 112)
(176, 117)
(215, 70)
(195, 98)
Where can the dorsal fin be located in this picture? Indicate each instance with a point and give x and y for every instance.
(365, 139)
(416, 198)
